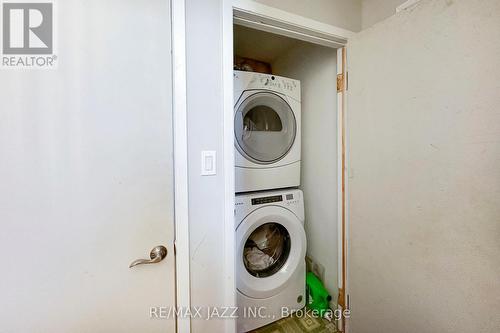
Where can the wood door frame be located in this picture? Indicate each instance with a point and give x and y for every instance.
(261, 17)
(181, 213)
(342, 190)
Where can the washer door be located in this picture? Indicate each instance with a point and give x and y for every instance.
(265, 127)
(271, 247)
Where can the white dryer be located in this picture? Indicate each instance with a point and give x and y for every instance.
(267, 131)
(270, 256)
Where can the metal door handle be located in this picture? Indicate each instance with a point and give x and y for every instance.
(157, 254)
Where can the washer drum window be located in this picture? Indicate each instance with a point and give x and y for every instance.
(266, 250)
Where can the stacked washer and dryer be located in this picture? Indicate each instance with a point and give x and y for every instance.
(269, 211)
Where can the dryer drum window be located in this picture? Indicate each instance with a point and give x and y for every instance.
(265, 127)
(262, 118)
(266, 250)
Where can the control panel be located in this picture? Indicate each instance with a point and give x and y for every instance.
(286, 198)
(266, 200)
(290, 199)
(280, 83)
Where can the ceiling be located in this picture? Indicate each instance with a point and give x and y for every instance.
(260, 45)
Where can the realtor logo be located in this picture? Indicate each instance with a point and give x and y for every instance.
(28, 34)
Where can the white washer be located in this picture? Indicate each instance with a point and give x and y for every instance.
(270, 256)
(267, 131)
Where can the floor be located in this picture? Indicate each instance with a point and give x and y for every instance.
(297, 325)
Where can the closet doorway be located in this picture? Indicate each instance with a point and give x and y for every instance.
(264, 39)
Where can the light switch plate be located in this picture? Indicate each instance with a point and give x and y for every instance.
(208, 163)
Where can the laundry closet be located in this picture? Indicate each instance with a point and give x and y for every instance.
(286, 147)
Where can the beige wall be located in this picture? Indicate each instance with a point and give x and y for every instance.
(424, 175)
(316, 68)
(353, 15)
(341, 13)
(374, 11)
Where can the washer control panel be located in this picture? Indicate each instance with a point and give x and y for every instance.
(266, 200)
(287, 199)
(291, 199)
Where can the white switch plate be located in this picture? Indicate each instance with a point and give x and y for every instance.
(208, 163)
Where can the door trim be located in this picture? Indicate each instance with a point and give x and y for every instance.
(261, 17)
(228, 161)
(342, 181)
(181, 213)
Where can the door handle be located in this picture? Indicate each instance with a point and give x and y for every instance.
(157, 254)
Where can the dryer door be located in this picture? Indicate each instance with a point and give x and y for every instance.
(271, 247)
(264, 126)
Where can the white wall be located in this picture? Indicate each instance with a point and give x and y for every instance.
(341, 13)
(374, 11)
(424, 176)
(205, 131)
(316, 67)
